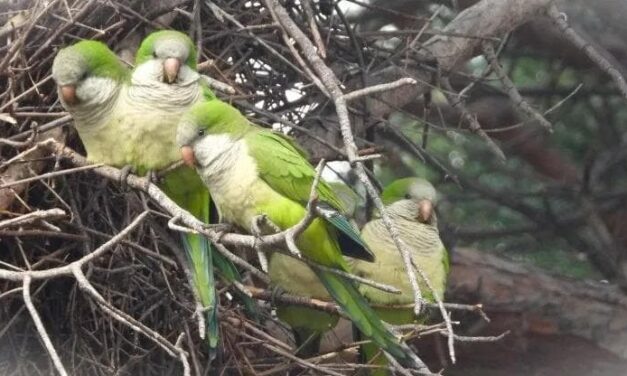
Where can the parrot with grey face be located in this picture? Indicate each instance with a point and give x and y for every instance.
(410, 204)
(253, 172)
(90, 79)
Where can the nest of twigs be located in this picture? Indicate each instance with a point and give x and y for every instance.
(79, 210)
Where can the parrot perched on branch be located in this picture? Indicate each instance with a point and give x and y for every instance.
(291, 275)
(410, 204)
(253, 172)
(129, 119)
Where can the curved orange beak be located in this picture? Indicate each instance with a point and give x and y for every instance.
(171, 68)
(68, 94)
(425, 211)
(187, 154)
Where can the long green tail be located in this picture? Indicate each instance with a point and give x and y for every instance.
(307, 325)
(229, 272)
(186, 189)
(308, 342)
(345, 293)
(199, 255)
(372, 355)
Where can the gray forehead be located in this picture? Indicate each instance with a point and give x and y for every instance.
(68, 67)
(423, 190)
(172, 48)
(185, 132)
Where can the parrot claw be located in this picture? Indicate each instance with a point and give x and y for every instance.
(221, 228)
(263, 261)
(152, 178)
(275, 291)
(256, 229)
(262, 225)
(124, 173)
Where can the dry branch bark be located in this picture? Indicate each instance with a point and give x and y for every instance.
(486, 19)
(547, 304)
(19, 171)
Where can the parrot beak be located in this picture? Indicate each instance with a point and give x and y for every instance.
(187, 154)
(171, 68)
(425, 211)
(68, 94)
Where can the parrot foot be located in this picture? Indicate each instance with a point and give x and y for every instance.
(152, 177)
(262, 225)
(221, 228)
(263, 261)
(258, 222)
(124, 173)
(275, 292)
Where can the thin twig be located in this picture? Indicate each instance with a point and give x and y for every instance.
(40, 326)
(313, 26)
(473, 123)
(379, 88)
(559, 19)
(32, 217)
(52, 174)
(511, 90)
(300, 361)
(68, 269)
(476, 339)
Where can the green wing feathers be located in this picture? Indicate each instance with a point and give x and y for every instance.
(365, 319)
(373, 355)
(295, 175)
(294, 178)
(351, 243)
(230, 274)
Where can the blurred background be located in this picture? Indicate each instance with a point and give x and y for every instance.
(539, 239)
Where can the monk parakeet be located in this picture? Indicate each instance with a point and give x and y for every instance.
(164, 84)
(294, 276)
(410, 204)
(90, 79)
(252, 172)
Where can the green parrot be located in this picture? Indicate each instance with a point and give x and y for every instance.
(253, 172)
(410, 204)
(130, 118)
(308, 325)
(90, 79)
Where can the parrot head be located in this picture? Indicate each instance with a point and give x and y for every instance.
(412, 198)
(172, 49)
(83, 69)
(204, 119)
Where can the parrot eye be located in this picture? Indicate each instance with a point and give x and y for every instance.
(154, 54)
(201, 132)
(407, 196)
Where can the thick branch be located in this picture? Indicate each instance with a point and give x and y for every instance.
(549, 304)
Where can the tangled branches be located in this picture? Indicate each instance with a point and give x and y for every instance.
(69, 229)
